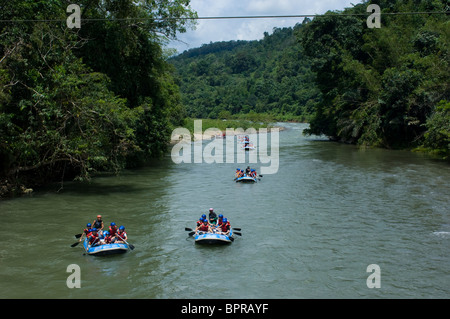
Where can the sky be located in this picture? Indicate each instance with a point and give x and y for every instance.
(207, 31)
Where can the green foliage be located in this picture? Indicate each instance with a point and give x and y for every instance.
(437, 137)
(270, 77)
(74, 102)
(380, 86)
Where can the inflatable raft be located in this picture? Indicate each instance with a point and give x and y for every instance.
(213, 238)
(248, 147)
(107, 249)
(246, 179)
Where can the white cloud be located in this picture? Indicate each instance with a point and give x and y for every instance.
(248, 29)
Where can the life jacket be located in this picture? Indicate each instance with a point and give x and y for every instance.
(97, 224)
(225, 227)
(93, 238)
(108, 239)
(112, 230)
(86, 231)
(122, 235)
(220, 222)
(203, 227)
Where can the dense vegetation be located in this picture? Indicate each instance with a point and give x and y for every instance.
(386, 87)
(265, 79)
(77, 101)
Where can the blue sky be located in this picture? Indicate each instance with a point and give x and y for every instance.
(248, 29)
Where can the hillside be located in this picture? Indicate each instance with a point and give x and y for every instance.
(271, 77)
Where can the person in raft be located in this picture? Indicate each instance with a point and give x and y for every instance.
(121, 234)
(225, 227)
(108, 239)
(220, 220)
(86, 232)
(94, 238)
(204, 227)
(212, 216)
(216, 227)
(98, 223)
(199, 222)
(113, 229)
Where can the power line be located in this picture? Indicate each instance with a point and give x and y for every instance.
(228, 17)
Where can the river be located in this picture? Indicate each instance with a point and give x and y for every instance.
(308, 231)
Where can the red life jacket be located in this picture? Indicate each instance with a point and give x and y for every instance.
(203, 227)
(93, 238)
(122, 235)
(108, 239)
(225, 227)
(112, 230)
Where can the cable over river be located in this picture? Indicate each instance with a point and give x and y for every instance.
(309, 231)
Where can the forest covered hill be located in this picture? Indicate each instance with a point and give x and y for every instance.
(384, 87)
(271, 76)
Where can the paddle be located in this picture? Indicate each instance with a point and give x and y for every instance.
(75, 244)
(129, 245)
(78, 235)
(239, 234)
(191, 231)
(236, 228)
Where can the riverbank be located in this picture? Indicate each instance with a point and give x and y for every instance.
(212, 128)
(9, 189)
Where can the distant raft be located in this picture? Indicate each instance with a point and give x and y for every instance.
(248, 147)
(246, 179)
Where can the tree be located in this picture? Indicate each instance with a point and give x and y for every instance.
(77, 101)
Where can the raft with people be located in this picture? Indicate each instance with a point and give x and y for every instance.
(213, 238)
(213, 231)
(248, 176)
(101, 242)
(105, 249)
(248, 147)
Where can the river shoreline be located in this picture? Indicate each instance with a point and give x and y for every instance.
(224, 133)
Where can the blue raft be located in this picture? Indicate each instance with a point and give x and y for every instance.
(104, 250)
(213, 238)
(246, 179)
